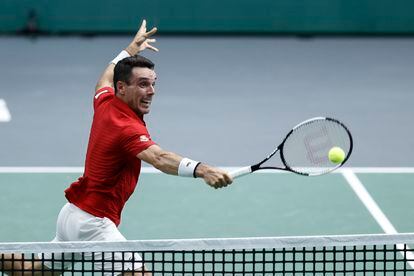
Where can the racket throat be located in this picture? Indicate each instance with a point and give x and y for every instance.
(256, 167)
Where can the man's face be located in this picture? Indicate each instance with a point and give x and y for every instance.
(140, 90)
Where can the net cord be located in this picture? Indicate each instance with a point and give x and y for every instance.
(209, 244)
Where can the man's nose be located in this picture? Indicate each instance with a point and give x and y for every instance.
(151, 89)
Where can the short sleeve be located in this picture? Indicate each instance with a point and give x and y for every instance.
(136, 139)
(102, 95)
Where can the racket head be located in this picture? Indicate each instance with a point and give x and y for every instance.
(305, 148)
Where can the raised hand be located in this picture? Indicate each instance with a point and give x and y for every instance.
(142, 40)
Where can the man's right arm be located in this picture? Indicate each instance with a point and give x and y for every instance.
(169, 162)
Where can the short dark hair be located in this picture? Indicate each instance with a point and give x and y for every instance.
(123, 69)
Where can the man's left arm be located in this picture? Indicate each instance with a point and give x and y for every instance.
(140, 42)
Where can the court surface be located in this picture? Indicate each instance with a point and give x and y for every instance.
(262, 204)
(226, 101)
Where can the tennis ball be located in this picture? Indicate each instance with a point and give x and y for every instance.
(336, 155)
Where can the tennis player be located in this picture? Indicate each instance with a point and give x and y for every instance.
(119, 141)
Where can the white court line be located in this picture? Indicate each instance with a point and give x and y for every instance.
(5, 115)
(379, 169)
(374, 209)
(41, 169)
(48, 169)
(341, 170)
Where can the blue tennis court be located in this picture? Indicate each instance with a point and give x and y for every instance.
(259, 205)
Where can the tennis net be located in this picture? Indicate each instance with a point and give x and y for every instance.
(377, 254)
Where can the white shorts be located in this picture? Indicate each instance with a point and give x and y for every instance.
(74, 224)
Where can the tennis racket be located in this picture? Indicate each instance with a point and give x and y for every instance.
(305, 148)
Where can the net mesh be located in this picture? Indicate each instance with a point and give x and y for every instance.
(332, 255)
(306, 148)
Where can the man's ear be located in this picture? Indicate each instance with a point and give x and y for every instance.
(120, 87)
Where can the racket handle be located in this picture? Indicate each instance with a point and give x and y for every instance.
(240, 172)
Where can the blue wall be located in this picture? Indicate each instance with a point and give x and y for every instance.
(235, 16)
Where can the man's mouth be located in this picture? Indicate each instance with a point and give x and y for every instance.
(146, 102)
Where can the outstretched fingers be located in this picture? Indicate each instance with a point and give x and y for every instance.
(150, 40)
(142, 40)
(143, 27)
(151, 33)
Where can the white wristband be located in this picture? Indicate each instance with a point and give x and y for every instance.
(187, 167)
(120, 56)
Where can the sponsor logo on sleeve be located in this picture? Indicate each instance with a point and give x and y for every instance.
(143, 138)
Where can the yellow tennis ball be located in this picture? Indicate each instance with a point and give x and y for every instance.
(336, 155)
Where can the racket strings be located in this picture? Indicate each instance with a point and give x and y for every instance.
(306, 149)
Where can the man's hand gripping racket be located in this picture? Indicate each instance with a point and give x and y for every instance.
(307, 148)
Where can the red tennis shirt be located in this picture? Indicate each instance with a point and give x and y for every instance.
(111, 167)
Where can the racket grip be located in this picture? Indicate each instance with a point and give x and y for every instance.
(240, 172)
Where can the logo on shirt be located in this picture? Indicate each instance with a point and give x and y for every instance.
(100, 93)
(143, 138)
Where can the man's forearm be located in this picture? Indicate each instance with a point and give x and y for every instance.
(107, 77)
(167, 162)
